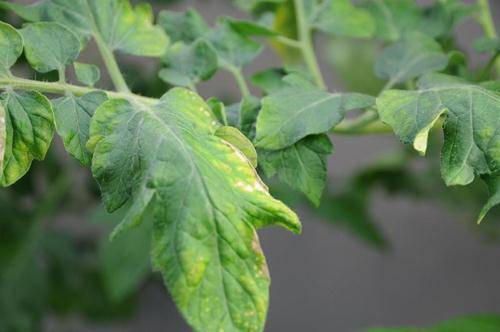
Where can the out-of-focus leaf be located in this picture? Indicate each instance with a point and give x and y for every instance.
(187, 65)
(269, 80)
(186, 27)
(482, 323)
(415, 55)
(487, 44)
(340, 17)
(72, 117)
(87, 74)
(29, 127)
(49, 46)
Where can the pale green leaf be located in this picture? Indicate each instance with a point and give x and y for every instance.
(86, 73)
(72, 117)
(121, 26)
(303, 166)
(493, 183)
(207, 203)
(415, 55)
(296, 112)
(28, 133)
(11, 47)
(471, 128)
(49, 46)
(340, 17)
(187, 65)
(239, 141)
(487, 44)
(182, 26)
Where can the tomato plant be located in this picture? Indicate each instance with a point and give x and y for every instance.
(183, 172)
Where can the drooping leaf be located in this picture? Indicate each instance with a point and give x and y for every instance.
(483, 323)
(340, 17)
(72, 118)
(187, 65)
(125, 261)
(471, 128)
(116, 22)
(11, 47)
(182, 26)
(49, 46)
(493, 182)
(296, 112)
(207, 202)
(29, 129)
(415, 55)
(87, 74)
(238, 140)
(303, 166)
(233, 48)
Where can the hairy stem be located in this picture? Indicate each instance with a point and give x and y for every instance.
(111, 65)
(485, 19)
(239, 78)
(304, 32)
(61, 88)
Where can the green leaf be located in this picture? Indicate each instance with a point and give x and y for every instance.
(3, 136)
(49, 46)
(493, 183)
(207, 202)
(340, 17)
(125, 261)
(87, 74)
(187, 65)
(251, 28)
(233, 48)
(296, 112)
(11, 47)
(487, 44)
(471, 129)
(182, 26)
(269, 80)
(28, 133)
(116, 22)
(482, 323)
(233, 136)
(72, 117)
(303, 166)
(415, 55)
(218, 110)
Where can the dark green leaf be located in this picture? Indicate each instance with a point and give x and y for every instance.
(269, 80)
(49, 46)
(303, 166)
(11, 47)
(29, 127)
(185, 27)
(72, 117)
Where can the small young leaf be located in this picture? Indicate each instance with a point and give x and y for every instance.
(210, 257)
(471, 129)
(239, 141)
(87, 74)
(233, 48)
(340, 17)
(218, 110)
(187, 65)
(249, 110)
(185, 27)
(29, 127)
(296, 112)
(49, 46)
(414, 55)
(72, 117)
(11, 47)
(303, 166)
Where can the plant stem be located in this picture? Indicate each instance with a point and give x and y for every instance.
(304, 32)
(485, 19)
(367, 123)
(111, 65)
(239, 78)
(60, 88)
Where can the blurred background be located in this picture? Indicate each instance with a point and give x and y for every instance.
(389, 246)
